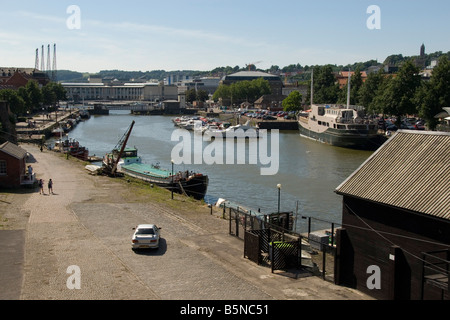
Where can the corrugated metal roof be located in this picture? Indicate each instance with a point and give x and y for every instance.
(13, 150)
(410, 171)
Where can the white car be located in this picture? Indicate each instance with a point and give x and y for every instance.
(145, 236)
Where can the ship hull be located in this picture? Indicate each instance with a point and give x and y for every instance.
(352, 139)
(193, 186)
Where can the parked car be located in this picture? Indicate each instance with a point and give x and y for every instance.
(145, 236)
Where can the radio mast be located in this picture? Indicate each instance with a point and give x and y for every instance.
(54, 74)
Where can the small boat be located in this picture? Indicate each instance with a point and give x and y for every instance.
(58, 132)
(84, 114)
(240, 131)
(185, 182)
(73, 148)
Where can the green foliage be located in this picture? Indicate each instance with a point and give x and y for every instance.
(435, 94)
(326, 89)
(31, 98)
(15, 101)
(400, 91)
(293, 101)
(356, 84)
(193, 95)
(34, 94)
(243, 90)
(372, 87)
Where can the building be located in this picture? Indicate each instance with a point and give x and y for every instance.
(276, 85)
(342, 77)
(303, 89)
(208, 84)
(116, 90)
(14, 78)
(270, 102)
(12, 166)
(396, 220)
(7, 128)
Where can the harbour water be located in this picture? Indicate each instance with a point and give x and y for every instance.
(309, 171)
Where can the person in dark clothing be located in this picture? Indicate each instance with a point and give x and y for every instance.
(50, 186)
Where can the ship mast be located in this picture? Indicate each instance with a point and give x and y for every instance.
(348, 89)
(312, 86)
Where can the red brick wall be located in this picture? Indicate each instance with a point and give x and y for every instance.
(14, 168)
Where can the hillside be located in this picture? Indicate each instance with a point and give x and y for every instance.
(294, 71)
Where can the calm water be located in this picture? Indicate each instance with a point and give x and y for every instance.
(309, 171)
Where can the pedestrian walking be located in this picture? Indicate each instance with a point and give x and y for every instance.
(50, 186)
(41, 186)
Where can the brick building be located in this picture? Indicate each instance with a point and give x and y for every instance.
(14, 78)
(12, 165)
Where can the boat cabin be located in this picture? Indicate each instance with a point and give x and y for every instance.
(338, 117)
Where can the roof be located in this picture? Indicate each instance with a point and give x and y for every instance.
(410, 171)
(13, 150)
(244, 75)
(252, 74)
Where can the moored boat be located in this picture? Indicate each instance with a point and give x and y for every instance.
(237, 131)
(73, 148)
(189, 183)
(339, 126)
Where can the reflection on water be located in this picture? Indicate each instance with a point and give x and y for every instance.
(309, 171)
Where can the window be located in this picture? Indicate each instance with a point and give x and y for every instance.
(145, 231)
(3, 167)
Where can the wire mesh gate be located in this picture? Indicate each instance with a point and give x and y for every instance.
(265, 243)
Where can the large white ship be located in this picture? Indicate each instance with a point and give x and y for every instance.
(339, 126)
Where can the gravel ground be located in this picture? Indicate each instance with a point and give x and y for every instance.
(88, 223)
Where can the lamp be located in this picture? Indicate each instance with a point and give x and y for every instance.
(279, 190)
(172, 178)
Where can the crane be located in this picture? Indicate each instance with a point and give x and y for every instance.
(110, 161)
(252, 64)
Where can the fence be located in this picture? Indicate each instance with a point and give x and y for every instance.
(270, 240)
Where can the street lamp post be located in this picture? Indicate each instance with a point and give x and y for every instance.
(172, 179)
(279, 190)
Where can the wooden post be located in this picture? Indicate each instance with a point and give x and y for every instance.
(394, 269)
(324, 262)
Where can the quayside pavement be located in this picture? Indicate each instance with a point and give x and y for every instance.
(87, 223)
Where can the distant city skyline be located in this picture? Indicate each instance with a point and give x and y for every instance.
(201, 35)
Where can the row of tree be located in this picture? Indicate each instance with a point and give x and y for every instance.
(32, 98)
(404, 93)
(243, 90)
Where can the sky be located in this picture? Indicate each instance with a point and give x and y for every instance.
(145, 35)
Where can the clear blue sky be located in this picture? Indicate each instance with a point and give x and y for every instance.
(204, 34)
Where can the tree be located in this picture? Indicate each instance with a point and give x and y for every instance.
(243, 90)
(325, 86)
(202, 95)
(191, 95)
(293, 101)
(34, 94)
(435, 94)
(369, 91)
(356, 84)
(398, 97)
(15, 101)
(48, 95)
